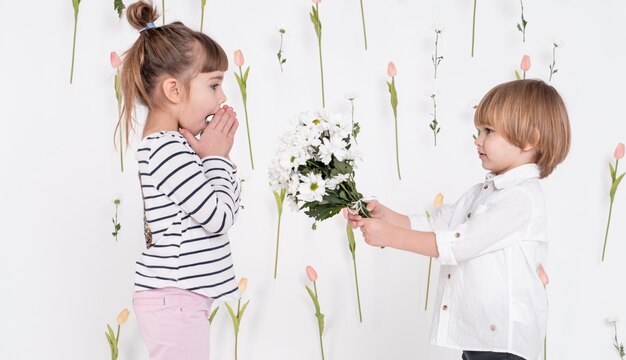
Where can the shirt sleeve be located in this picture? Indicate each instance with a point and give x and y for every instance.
(497, 224)
(208, 198)
(439, 219)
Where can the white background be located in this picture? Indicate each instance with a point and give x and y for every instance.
(65, 277)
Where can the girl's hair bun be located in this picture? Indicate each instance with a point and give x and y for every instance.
(140, 13)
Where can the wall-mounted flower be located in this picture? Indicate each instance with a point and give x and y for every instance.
(392, 72)
(236, 318)
(618, 154)
(242, 80)
(314, 15)
(114, 338)
(312, 276)
(436, 204)
(521, 26)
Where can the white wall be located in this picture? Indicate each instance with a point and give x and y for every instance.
(65, 276)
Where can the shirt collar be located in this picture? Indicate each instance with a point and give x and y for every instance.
(513, 176)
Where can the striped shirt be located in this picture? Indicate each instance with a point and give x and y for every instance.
(190, 203)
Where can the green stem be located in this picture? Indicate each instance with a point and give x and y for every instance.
(363, 21)
(320, 329)
(117, 339)
(430, 263)
(121, 143)
(245, 108)
(277, 240)
(116, 207)
(356, 280)
(237, 332)
(163, 10)
(606, 235)
(545, 347)
(202, 19)
(524, 75)
(397, 151)
(322, 73)
(473, 27)
(319, 45)
(74, 47)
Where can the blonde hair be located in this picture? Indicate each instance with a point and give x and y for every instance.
(529, 113)
(169, 50)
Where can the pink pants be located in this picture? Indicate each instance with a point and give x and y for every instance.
(173, 323)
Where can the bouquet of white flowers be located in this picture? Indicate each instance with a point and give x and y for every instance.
(314, 169)
(315, 165)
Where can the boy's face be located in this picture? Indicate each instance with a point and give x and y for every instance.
(497, 154)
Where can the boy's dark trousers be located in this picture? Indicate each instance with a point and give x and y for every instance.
(488, 355)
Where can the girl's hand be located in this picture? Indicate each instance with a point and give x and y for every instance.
(218, 136)
(376, 232)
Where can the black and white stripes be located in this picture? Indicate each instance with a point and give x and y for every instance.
(190, 204)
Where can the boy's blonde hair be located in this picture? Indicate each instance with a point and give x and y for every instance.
(528, 113)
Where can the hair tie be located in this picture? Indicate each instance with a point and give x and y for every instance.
(148, 27)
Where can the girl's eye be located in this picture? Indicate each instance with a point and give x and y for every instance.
(487, 130)
(215, 86)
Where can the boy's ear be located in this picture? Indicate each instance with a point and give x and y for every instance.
(172, 90)
(534, 140)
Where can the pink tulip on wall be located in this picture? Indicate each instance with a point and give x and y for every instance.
(116, 62)
(618, 154)
(242, 80)
(392, 72)
(524, 66)
(312, 276)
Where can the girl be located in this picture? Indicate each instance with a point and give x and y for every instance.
(491, 298)
(189, 186)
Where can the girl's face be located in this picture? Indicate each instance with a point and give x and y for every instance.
(497, 154)
(205, 98)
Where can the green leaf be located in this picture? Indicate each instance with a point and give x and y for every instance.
(320, 322)
(615, 185)
(245, 75)
(517, 75)
(519, 27)
(280, 198)
(118, 5)
(203, 5)
(314, 298)
(351, 242)
(213, 313)
(75, 4)
(243, 308)
(612, 172)
(234, 318)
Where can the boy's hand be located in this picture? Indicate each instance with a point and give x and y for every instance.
(376, 232)
(376, 209)
(218, 136)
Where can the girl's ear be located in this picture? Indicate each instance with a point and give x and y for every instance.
(172, 90)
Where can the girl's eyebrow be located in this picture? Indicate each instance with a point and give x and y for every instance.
(219, 77)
